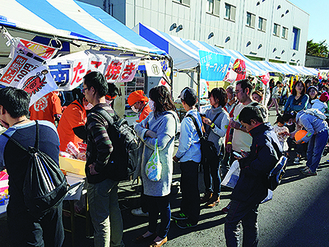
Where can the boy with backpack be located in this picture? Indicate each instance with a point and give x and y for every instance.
(25, 228)
(251, 187)
(189, 155)
(101, 190)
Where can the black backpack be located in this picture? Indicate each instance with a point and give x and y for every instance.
(126, 147)
(44, 184)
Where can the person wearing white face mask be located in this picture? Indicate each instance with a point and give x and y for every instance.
(140, 104)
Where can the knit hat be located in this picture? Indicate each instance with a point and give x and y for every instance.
(324, 97)
(137, 96)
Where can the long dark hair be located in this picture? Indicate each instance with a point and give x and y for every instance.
(162, 99)
(294, 92)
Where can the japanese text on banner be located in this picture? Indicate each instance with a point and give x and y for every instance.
(213, 65)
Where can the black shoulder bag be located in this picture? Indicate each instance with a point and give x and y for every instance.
(208, 149)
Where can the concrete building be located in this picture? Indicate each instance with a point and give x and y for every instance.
(271, 30)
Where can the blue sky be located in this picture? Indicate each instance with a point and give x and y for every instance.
(319, 21)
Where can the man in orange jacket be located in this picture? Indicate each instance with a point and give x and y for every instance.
(138, 102)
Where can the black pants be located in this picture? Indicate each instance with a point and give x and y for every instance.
(24, 230)
(212, 179)
(190, 204)
(159, 205)
(244, 213)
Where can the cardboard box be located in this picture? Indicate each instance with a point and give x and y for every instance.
(72, 165)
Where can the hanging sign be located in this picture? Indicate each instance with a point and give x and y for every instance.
(38, 83)
(265, 78)
(119, 69)
(68, 71)
(153, 68)
(239, 67)
(26, 56)
(213, 65)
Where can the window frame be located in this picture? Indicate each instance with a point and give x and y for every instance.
(232, 12)
(214, 9)
(183, 2)
(263, 22)
(251, 23)
(285, 36)
(276, 31)
(296, 38)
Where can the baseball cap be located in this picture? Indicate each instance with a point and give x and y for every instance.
(188, 95)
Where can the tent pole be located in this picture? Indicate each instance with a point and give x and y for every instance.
(171, 66)
(199, 87)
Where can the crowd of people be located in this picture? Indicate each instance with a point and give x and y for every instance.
(235, 127)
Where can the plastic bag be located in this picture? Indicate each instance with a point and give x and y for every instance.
(153, 166)
(232, 175)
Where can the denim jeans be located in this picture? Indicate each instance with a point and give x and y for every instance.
(315, 149)
(245, 213)
(211, 177)
(159, 205)
(26, 231)
(190, 204)
(105, 213)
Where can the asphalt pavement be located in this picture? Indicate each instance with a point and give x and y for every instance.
(296, 216)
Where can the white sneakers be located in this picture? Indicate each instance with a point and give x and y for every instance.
(139, 212)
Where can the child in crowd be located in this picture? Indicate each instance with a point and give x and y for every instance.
(282, 132)
(321, 103)
(257, 96)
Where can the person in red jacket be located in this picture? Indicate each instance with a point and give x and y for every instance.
(138, 102)
(47, 108)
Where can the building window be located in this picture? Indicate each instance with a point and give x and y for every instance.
(251, 20)
(213, 7)
(284, 33)
(230, 12)
(262, 24)
(185, 2)
(276, 29)
(296, 34)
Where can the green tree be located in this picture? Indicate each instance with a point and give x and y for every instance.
(317, 49)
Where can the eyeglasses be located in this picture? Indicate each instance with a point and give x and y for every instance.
(83, 89)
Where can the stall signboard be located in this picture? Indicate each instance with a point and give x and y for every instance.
(120, 69)
(213, 65)
(68, 71)
(26, 56)
(153, 68)
(38, 83)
